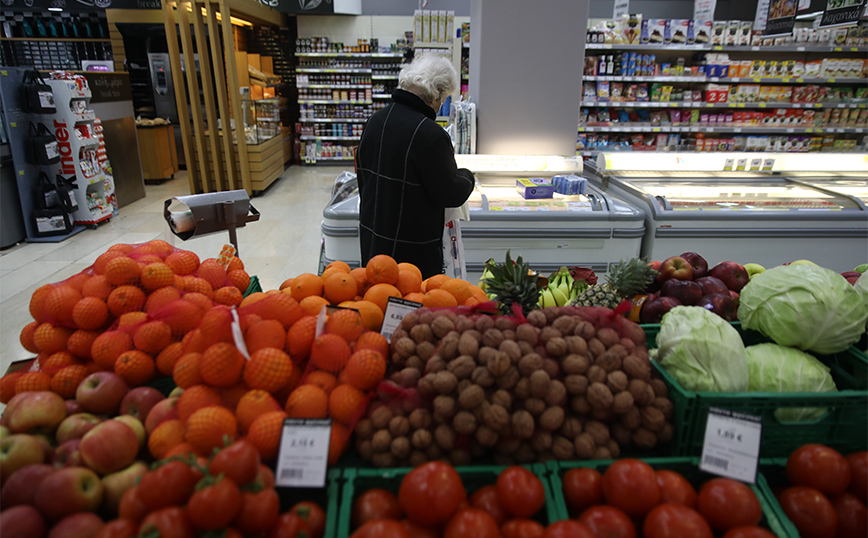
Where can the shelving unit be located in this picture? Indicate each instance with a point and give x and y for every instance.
(49, 41)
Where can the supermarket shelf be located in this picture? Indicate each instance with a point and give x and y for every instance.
(330, 70)
(384, 77)
(381, 96)
(333, 120)
(330, 160)
(639, 128)
(335, 86)
(64, 39)
(729, 48)
(431, 45)
(349, 54)
(348, 138)
(757, 80)
(334, 102)
(693, 104)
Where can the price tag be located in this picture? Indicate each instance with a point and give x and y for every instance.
(304, 453)
(731, 446)
(396, 309)
(755, 164)
(768, 164)
(727, 164)
(741, 164)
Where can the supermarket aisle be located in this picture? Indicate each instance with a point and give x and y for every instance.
(283, 243)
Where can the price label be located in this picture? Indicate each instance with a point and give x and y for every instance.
(727, 164)
(768, 164)
(731, 446)
(741, 164)
(755, 164)
(396, 309)
(304, 453)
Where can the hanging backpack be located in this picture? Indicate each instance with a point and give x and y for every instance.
(50, 217)
(66, 194)
(41, 145)
(38, 96)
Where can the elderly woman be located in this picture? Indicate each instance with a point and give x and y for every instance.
(406, 170)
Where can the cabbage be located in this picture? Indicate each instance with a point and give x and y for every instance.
(775, 368)
(702, 351)
(804, 306)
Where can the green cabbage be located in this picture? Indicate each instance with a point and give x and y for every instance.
(804, 306)
(775, 368)
(702, 351)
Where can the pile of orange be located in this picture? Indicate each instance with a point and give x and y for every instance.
(128, 312)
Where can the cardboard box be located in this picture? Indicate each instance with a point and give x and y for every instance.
(658, 32)
(732, 31)
(417, 24)
(426, 25)
(442, 34)
(450, 26)
(534, 188)
(682, 31)
(718, 31)
(703, 31)
(744, 32)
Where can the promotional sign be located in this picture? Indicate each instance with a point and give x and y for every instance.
(703, 10)
(304, 453)
(842, 13)
(731, 445)
(781, 18)
(622, 7)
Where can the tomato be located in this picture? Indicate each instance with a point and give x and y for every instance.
(520, 492)
(748, 532)
(522, 528)
(258, 511)
(381, 528)
(418, 531)
(674, 488)
(290, 525)
(810, 511)
(630, 485)
(726, 504)
(170, 484)
(583, 488)
(859, 475)
(818, 467)
(472, 523)
(232, 532)
(608, 522)
(852, 516)
(131, 506)
(171, 522)
(238, 461)
(485, 498)
(430, 493)
(375, 504)
(118, 528)
(214, 506)
(265, 477)
(670, 520)
(313, 515)
(568, 528)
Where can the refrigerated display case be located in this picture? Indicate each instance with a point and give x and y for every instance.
(591, 230)
(762, 208)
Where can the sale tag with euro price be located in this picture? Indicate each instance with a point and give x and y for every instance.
(396, 309)
(304, 452)
(732, 444)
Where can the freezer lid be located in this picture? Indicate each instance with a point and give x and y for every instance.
(852, 185)
(345, 209)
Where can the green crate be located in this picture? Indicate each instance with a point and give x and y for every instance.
(842, 427)
(774, 473)
(328, 498)
(688, 468)
(359, 480)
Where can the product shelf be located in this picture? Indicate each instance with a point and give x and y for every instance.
(696, 104)
(330, 70)
(334, 86)
(333, 120)
(334, 102)
(310, 137)
(784, 129)
(730, 80)
(726, 48)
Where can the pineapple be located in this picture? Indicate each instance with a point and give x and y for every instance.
(623, 282)
(510, 283)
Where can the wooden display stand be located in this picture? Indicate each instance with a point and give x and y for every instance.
(158, 153)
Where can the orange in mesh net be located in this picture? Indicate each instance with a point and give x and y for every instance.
(216, 325)
(228, 295)
(26, 337)
(60, 302)
(50, 338)
(198, 285)
(230, 396)
(152, 337)
(321, 379)
(345, 403)
(97, 286)
(252, 405)
(157, 275)
(373, 340)
(135, 367)
(122, 271)
(131, 320)
(195, 398)
(33, 381)
(159, 298)
(240, 279)
(300, 337)
(167, 435)
(167, 358)
(37, 303)
(157, 247)
(307, 401)
(56, 361)
(365, 369)
(221, 365)
(183, 262)
(108, 347)
(346, 323)
(81, 342)
(268, 369)
(99, 265)
(265, 333)
(280, 307)
(265, 434)
(65, 382)
(213, 273)
(181, 316)
(125, 299)
(186, 371)
(330, 352)
(7, 386)
(209, 428)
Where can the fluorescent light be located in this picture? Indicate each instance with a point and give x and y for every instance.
(804, 16)
(519, 163)
(55, 9)
(716, 162)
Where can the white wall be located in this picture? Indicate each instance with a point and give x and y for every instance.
(348, 29)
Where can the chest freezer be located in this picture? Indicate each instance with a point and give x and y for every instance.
(593, 230)
(741, 207)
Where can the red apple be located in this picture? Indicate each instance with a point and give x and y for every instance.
(851, 276)
(700, 266)
(139, 401)
(116, 484)
(73, 407)
(17, 451)
(655, 265)
(721, 304)
(101, 393)
(80, 525)
(734, 275)
(109, 447)
(137, 427)
(75, 426)
(686, 291)
(735, 296)
(675, 267)
(653, 311)
(710, 285)
(4, 432)
(23, 521)
(68, 454)
(164, 410)
(21, 486)
(36, 412)
(67, 491)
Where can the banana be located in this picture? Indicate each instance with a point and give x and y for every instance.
(547, 298)
(565, 282)
(558, 296)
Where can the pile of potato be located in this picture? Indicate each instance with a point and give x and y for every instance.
(566, 383)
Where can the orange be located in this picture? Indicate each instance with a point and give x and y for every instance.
(228, 295)
(209, 428)
(268, 369)
(299, 338)
(361, 277)
(247, 320)
(460, 289)
(167, 358)
(265, 333)
(252, 405)
(7, 386)
(221, 365)
(213, 273)
(405, 266)
(99, 265)
(313, 304)
(152, 337)
(129, 321)
(26, 337)
(33, 382)
(382, 269)
(108, 347)
(265, 434)
(159, 298)
(184, 450)
(478, 293)
(434, 282)
(408, 282)
(279, 306)
(194, 342)
(438, 297)
(81, 342)
(230, 396)
(157, 247)
(339, 287)
(156, 275)
(330, 352)
(77, 281)
(372, 315)
(346, 323)
(60, 302)
(199, 299)
(194, 398)
(286, 284)
(346, 403)
(472, 301)
(216, 325)
(240, 279)
(121, 247)
(379, 294)
(307, 401)
(321, 379)
(373, 340)
(415, 297)
(146, 259)
(305, 285)
(65, 382)
(56, 361)
(183, 262)
(50, 338)
(235, 264)
(365, 369)
(167, 435)
(181, 316)
(97, 286)
(338, 265)
(254, 297)
(126, 299)
(135, 367)
(122, 271)
(337, 442)
(186, 370)
(198, 285)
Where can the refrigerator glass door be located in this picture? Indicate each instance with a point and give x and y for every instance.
(852, 185)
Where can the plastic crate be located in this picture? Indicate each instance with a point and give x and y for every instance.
(328, 498)
(359, 480)
(774, 473)
(689, 469)
(253, 287)
(841, 427)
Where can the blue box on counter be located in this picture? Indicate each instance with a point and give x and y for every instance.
(534, 188)
(569, 184)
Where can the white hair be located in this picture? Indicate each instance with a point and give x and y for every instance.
(430, 76)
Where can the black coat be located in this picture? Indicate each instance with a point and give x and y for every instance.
(407, 177)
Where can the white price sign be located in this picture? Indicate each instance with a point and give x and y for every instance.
(396, 309)
(304, 453)
(732, 444)
(703, 10)
(622, 7)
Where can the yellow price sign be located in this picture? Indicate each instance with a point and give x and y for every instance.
(831, 80)
(741, 105)
(762, 105)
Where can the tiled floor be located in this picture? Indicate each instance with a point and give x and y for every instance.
(283, 243)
